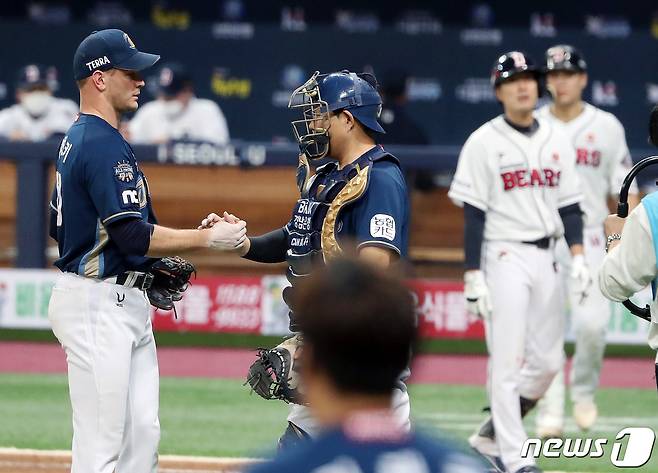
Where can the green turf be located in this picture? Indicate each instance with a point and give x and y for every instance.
(219, 418)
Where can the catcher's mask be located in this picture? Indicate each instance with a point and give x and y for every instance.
(324, 94)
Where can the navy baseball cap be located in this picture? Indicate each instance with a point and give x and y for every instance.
(109, 49)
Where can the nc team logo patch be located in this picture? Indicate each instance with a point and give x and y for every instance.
(382, 226)
(124, 171)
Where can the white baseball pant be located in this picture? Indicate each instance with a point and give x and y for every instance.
(525, 336)
(105, 330)
(589, 320)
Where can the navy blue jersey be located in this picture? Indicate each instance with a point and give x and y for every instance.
(337, 452)
(380, 217)
(98, 182)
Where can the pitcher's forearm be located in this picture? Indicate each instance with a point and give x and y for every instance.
(167, 241)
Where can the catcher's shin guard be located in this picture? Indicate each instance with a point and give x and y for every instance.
(292, 437)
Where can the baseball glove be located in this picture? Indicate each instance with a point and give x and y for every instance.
(171, 276)
(274, 374)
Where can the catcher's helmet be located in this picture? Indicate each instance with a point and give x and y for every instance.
(563, 57)
(324, 94)
(510, 64)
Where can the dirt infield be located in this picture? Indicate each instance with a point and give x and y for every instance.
(22, 357)
(56, 461)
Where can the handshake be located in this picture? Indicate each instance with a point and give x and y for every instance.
(226, 233)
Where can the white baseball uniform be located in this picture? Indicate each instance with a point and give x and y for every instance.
(57, 118)
(520, 182)
(200, 120)
(602, 162)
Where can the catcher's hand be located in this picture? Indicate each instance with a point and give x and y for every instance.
(171, 276)
(274, 374)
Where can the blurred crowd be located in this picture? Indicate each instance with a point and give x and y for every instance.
(174, 114)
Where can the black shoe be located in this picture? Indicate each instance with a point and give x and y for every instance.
(529, 469)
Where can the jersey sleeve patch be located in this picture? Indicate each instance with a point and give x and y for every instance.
(382, 226)
(124, 172)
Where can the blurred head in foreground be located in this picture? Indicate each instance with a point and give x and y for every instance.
(359, 330)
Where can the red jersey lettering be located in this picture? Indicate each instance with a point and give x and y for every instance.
(508, 180)
(585, 157)
(530, 178)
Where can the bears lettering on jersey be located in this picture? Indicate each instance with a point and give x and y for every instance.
(530, 178)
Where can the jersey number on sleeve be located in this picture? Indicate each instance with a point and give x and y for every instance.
(58, 185)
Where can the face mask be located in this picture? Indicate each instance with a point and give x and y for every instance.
(36, 103)
(172, 108)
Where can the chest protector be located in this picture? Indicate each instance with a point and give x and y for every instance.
(312, 236)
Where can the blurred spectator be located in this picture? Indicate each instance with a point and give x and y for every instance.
(177, 114)
(400, 128)
(348, 372)
(37, 115)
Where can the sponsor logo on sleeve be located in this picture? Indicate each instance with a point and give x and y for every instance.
(382, 226)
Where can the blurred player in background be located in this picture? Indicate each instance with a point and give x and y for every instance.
(349, 374)
(177, 114)
(38, 114)
(356, 203)
(602, 162)
(400, 126)
(516, 181)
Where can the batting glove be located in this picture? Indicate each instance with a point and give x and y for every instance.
(476, 292)
(581, 279)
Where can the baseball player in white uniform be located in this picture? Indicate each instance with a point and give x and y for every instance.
(519, 189)
(602, 161)
(38, 114)
(178, 114)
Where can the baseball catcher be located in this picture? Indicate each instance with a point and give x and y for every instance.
(355, 203)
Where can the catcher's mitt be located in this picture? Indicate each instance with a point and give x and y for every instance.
(171, 276)
(273, 375)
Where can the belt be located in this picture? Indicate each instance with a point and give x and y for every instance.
(136, 279)
(542, 243)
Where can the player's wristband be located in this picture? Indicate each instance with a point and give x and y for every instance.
(612, 237)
